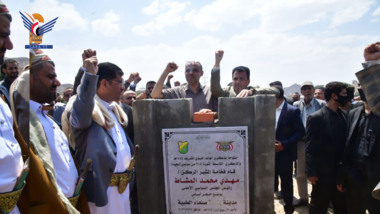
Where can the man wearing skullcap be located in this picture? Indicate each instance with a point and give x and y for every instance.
(53, 174)
(11, 162)
(307, 105)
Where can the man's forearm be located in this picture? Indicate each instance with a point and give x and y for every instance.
(216, 88)
(168, 84)
(84, 102)
(157, 90)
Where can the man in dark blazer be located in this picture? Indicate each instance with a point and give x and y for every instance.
(361, 161)
(325, 139)
(289, 129)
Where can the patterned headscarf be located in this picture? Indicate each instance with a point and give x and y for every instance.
(37, 56)
(3, 8)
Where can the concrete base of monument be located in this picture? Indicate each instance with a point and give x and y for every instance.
(152, 117)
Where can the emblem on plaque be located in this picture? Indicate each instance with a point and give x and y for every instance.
(224, 146)
(183, 147)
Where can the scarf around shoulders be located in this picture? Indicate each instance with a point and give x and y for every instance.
(100, 115)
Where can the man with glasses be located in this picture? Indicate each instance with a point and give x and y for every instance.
(201, 95)
(98, 125)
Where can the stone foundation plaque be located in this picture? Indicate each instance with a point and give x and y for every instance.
(206, 170)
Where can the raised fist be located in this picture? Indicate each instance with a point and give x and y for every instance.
(372, 52)
(171, 67)
(90, 61)
(218, 57)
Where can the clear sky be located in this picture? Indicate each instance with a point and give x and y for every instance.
(291, 41)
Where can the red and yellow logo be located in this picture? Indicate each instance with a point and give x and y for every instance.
(35, 26)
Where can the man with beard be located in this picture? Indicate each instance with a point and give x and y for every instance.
(5, 41)
(5, 23)
(325, 139)
(148, 91)
(11, 162)
(307, 105)
(361, 161)
(201, 95)
(10, 69)
(295, 97)
(53, 174)
(126, 102)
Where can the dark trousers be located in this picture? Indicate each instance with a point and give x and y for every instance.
(323, 192)
(358, 192)
(133, 200)
(284, 169)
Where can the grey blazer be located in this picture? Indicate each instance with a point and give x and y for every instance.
(92, 141)
(316, 102)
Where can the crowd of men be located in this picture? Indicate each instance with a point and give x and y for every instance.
(78, 157)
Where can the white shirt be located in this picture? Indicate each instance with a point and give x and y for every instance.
(370, 63)
(63, 162)
(11, 162)
(117, 203)
(278, 112)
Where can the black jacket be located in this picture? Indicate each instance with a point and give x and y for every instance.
(326, 132)
(372, 163)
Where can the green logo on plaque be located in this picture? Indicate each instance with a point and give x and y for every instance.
(183, 147)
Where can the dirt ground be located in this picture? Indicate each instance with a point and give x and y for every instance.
(279, 207)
